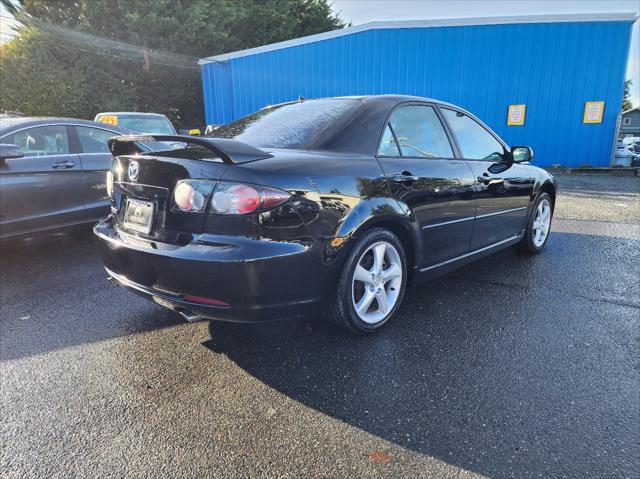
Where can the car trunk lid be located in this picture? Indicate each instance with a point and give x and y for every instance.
(144, 182)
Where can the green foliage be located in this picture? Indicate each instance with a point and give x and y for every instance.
(627, 104)
(47, 70)
(40, 78)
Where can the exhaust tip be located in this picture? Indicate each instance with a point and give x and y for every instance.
(190, 316)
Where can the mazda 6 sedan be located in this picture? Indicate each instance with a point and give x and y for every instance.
(321, 205)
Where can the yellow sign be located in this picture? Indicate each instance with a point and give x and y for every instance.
(109, 120)
(593, 111)
(516, 115)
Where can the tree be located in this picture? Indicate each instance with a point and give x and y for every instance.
(627, 104)
(77, 57)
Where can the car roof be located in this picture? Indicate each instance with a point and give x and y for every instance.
(388, 99)
(9, 124)
(398, 98)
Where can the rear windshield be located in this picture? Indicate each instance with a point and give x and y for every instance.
(287, 126)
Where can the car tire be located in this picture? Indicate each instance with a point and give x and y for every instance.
(353, 307)
(538, 227)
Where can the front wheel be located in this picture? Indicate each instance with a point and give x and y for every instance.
(372, 282)
(538, 225)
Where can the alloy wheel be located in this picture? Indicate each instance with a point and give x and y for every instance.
(541, 223)
(377, 282)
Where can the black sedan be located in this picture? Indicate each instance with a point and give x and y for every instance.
(331, 204)
(52, 173)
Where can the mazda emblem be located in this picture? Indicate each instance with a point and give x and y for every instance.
(133, 171)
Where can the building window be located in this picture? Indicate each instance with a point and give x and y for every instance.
(626, 121)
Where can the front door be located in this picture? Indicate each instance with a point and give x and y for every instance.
(502, 188)
(43, 189)
(418, 160)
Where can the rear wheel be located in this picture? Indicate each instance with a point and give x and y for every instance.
(538, 226)
(372, 282)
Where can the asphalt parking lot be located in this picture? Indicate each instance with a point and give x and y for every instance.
(514, 366)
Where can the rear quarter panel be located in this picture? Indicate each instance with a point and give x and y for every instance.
(335, 196)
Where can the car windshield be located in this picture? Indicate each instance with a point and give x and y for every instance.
(287, 126)
(156, 125)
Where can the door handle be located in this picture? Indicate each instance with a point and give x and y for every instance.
(490, 181)
(63, 164)
(404, 177)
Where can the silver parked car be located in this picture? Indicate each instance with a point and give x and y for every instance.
(52, 173)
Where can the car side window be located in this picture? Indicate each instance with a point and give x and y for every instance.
(388, 146)
(41, 140)
(474, 140)
(94, 140)
(420, 133)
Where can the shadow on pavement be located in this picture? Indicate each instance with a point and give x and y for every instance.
(514, 366)
(54, 294)
(498, 368)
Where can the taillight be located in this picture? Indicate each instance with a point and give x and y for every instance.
(191, 195)
(240, 199)
(272, 197)
(228, 198)
(235, 199)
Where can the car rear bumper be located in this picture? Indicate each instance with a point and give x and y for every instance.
(247, 279)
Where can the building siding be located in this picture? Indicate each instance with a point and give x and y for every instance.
(633, 128)
(553, 68)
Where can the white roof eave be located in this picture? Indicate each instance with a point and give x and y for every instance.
(445, 22)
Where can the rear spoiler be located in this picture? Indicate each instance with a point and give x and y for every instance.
(230, 151)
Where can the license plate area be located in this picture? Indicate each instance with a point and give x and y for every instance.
(138, 215)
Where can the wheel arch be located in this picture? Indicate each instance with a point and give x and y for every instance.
(398, 222)
(549, 188)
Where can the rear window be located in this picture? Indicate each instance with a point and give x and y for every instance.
(287, 126)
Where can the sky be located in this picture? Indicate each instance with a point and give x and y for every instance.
(6, 21)
(363, 11)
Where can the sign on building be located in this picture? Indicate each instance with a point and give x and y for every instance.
(593, 111)
(516, 115)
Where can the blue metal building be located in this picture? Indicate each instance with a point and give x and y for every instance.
(553, 65)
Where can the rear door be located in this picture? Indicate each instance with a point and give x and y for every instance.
(96, 161)
(418, 159)
(44, 188)
(502, 188)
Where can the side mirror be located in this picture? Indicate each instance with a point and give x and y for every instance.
(8, 152)
(521, 154)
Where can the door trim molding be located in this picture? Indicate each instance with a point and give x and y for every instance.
(466, 255)
(469, 218)
(502, 212)
(444, 223)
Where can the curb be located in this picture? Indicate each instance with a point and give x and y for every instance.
(595, 171)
